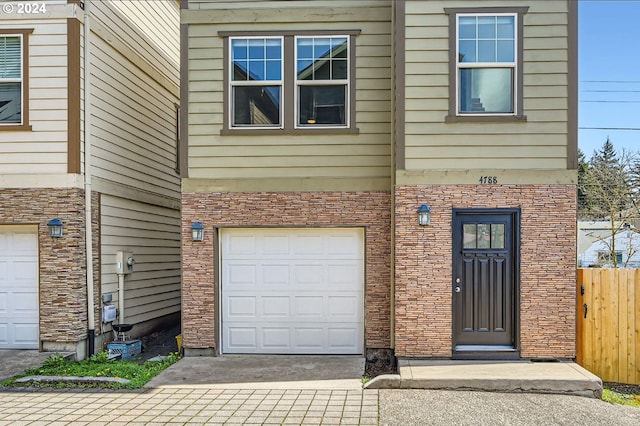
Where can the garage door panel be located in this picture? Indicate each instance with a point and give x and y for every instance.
(241, 276)
(276, 307)
(242, 337)
(25, 334)
(18, 288)
(309, 307)
(241, 307)
(307, 293)
(25, 270)
(4, 335)
(276, 338)
(342, 338)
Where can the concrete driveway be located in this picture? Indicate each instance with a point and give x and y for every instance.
(265, 372)
(17, 361)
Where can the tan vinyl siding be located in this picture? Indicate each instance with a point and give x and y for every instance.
(43, 150)
(538, 143)
(366, 154)
(133, 123)
(152, 234)
(152, 30)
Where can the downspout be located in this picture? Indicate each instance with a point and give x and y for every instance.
(91, 333)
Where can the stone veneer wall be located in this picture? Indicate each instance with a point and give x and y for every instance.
(423, 274)
(371, 210)
(62, 292)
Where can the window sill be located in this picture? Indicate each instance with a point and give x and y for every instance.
(14, 128)
(485, 119)
(256, 132)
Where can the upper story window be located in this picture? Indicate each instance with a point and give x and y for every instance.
(322, 80)
(256, 82)
(486, 64)
(12, 81)
(290, 83)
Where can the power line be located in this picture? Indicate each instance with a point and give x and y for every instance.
(610, 91)
(610, 128)
(612, 81)
(612, 102)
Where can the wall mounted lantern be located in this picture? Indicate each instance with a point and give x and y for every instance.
(55, 228)
(197, 231)
(424, 215)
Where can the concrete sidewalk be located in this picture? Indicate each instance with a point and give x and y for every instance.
(566, 378)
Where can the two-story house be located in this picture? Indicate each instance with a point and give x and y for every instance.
(88, 140)
(379, 174)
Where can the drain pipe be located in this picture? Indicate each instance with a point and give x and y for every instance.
(91, 332)
(121, 298)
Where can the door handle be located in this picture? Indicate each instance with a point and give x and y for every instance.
(586, 308)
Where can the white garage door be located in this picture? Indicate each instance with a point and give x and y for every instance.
(292, 291)
(18, 288)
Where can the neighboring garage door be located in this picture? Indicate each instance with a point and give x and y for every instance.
(292, 291)
(18, 288)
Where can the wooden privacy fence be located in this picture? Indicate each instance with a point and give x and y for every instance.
(608, 323)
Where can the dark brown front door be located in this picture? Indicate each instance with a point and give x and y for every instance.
(484, 280)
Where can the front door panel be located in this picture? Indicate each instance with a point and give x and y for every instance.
(484, 287)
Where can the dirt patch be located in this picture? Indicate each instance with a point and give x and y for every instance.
(161, 342)
(622, 387)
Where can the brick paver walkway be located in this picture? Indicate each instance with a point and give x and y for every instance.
(173, 406)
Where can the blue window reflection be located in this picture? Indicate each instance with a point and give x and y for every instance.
(258, 59)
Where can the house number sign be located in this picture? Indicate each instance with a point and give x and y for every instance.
(488, 180)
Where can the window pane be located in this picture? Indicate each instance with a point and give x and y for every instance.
(497, 235)
(469, 236)
(506, 27)
(321, 105)
(305, 48)
(486, 90)
(256, 70)
(506, 51)
(256, 106)
(321, 48)
(273, 49)
(484, 236)
(10, 103)
(239, 49)
(467, 51)
(240, 70)
(339, 47)
(257, 49)
(467, 27)
(10, 60)
(274, 70)
(486, 51)
(486, 27)
(339, 70)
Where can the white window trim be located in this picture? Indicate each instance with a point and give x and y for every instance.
(233, 83)
(20, 80)
(485, 65)
(342, 82)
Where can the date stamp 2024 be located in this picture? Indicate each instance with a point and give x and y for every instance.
(23, 8)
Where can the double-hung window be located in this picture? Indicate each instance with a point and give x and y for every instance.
(322, 81)
(256, 82)
(486, 63)
(293, 82)
(13, 81)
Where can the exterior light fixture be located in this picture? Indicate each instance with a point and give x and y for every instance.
(424, 215)
(55, 228)
(197, 231)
